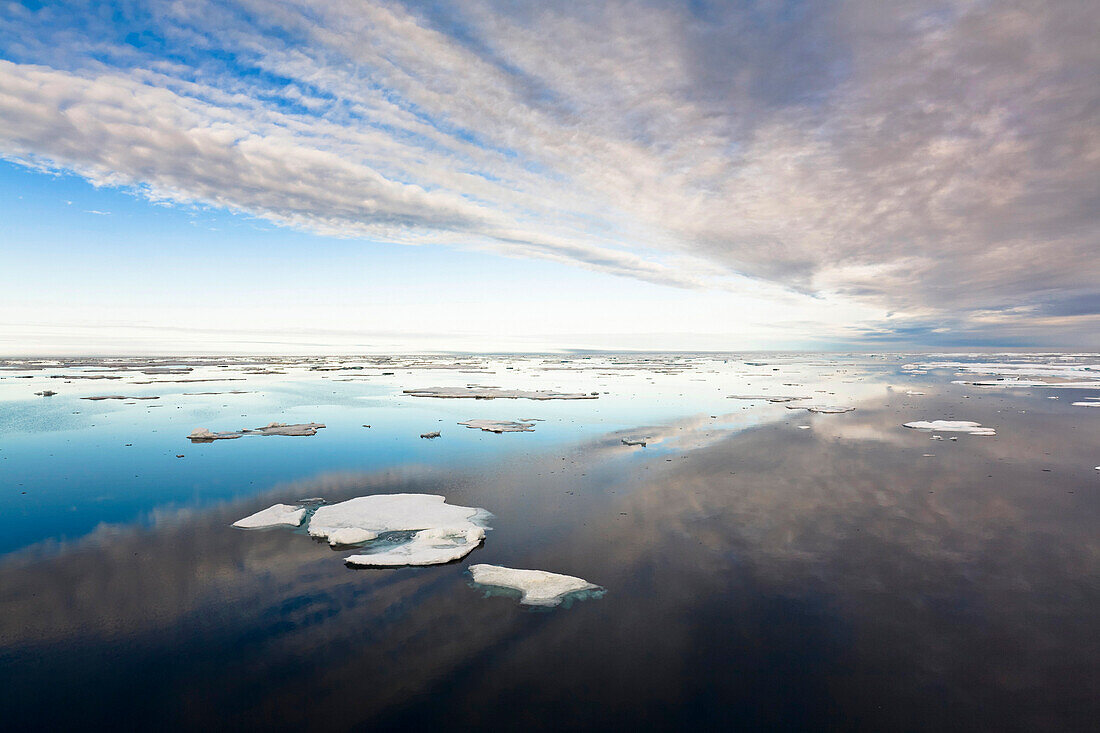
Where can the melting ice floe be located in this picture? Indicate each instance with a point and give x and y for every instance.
(366, 517)
(499, 426)
(536, 587)
(279, 515)
(441, 532)
(951, 426)
(493, 393)
(203, 435)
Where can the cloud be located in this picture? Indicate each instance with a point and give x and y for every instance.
(937, 158)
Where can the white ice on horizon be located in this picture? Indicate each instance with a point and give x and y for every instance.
(769, 398)
(117, 397)
(364, 518)
(492, 393)
(499, 426)
(821, 409)
(951, 426)
(282, 428)
(277, 515)
(537, 587)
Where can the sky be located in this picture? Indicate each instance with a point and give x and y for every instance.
(284, 176)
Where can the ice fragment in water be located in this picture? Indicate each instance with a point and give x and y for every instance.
(537, 587)
(952, 426)
(279, 515)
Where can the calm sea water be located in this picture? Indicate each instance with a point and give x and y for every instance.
(764, 567)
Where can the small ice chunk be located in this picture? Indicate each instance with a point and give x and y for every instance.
(499, 426)
(427, 547)
(433, 434)
(951, 426)
(803, 427)
(635, 441)
(278, 515)
(537, 587)
(1086, 404)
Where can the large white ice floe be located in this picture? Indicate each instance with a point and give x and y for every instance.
(493, 393)
(278, 515)
(499, 426)
(951, 426)
(365, 518)
(536, 587)
(203, 435)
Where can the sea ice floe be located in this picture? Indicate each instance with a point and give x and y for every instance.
(365, 518)
(118, 397)
(203, 435)
(769, 398)
(1091, 402)
(499, 426)
(536, 587)
(822, 409)
(278, 515)
(492, 393)
(951, 426)
(282, 428)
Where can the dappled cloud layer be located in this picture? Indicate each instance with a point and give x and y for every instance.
(938, 159)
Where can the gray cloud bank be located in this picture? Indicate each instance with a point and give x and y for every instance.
(941, 159)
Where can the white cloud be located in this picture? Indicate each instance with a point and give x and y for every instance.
(936, 158)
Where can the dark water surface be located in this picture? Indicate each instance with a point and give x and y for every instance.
(758, 575)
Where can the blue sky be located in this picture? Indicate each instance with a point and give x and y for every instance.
(281, 176)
